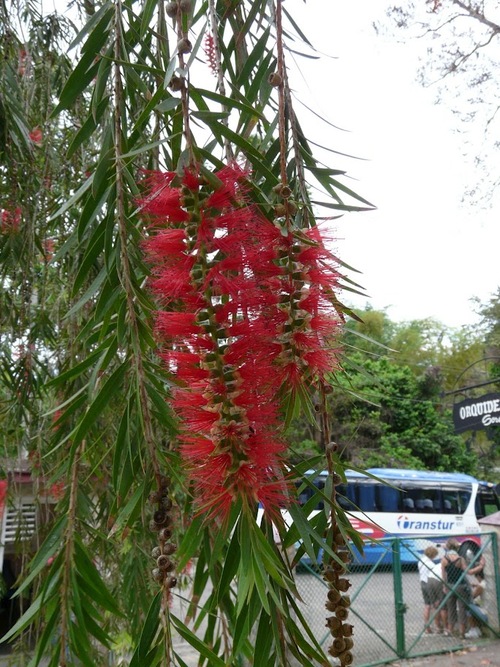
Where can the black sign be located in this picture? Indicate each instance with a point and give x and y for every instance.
(477, 413)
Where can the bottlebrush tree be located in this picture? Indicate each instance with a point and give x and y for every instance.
(178, 305)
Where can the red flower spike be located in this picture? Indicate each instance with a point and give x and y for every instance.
(249, 316)
(36, 136)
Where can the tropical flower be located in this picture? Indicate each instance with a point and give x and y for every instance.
(36, 136)
(244, 318)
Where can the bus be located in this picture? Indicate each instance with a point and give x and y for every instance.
(411, 504)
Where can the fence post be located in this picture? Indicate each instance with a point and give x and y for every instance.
(399, 605)
(494, 553)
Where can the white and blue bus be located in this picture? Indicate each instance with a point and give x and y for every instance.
(410, 504)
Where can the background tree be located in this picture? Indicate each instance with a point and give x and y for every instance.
(459, 53)
(394, 401)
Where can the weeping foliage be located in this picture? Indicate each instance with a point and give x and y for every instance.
(142, 87)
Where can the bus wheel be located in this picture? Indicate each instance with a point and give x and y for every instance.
(468, 550)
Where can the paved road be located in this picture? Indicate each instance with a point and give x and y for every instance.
(373, 617)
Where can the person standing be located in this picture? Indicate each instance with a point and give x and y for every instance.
(456, 587)
(431, 585)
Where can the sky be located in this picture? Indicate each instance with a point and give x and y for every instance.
(422, 253)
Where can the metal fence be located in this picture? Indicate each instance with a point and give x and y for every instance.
(387, 608)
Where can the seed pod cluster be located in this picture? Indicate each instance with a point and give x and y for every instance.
(173, 8)
(287, 206)
(338, 602)
(161, 523)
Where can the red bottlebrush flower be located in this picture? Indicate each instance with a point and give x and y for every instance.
(36, 136)
(57, 491)
(48, 249)
(249, 317)
(11, 220)
(169, 242)
(23, 56)
(210, 53)
(173, 325)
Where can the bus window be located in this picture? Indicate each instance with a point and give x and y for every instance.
(307, 492)
(346, 497)
(366, 496)
(464, 499)
(387, 498)
(486, 502)
(456, 500)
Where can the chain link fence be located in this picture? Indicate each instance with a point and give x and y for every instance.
(387, 606)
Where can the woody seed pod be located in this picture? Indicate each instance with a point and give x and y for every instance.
(333, 652)
(169, 549)
(166, 503)
(160, 518)
(157, 574)
(279, 210)
(348, 642)
(184, 45)
(347, 629)
(164, 563)
(171, 582)
(337, 567)
(333, 623)
(343, 585)
(156, 552)
(336, 479)
(275, 79)
(165, 534)
(185, 6)
(332, 447)
(339, 539)
(331, 606)
(329, 574)
(333, 595)
(338, 644)
(171, 9)
(176, 83)
(292, 207)
(345, 600)
(153, 526)
(342, 613)
(346, 658)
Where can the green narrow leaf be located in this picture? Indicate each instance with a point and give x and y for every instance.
(87, 68)
(110, 387)
(130, 510)
(192, 639)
